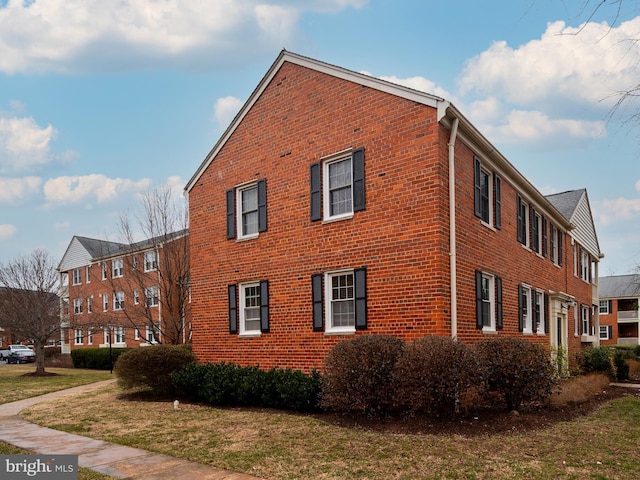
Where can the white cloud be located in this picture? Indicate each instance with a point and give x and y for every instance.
(83, 35)
(613, 210)
(62, 225)
(82, 189)
(24, 144)
(7, 231)
(579, 64)
(422, 84)
(13, 190)
(226, 109)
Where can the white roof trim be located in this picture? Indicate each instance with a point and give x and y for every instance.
(334, 71)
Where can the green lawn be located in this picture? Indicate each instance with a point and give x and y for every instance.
(14, 385)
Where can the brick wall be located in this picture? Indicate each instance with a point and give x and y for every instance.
(401, 237)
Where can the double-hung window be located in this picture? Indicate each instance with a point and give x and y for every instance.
(338, 186)
(89, 309)
(136, 296)
(536, 231)
(118, 335)
(105, 302)
(249, 308)
(488, 301)
(88, 273)
(150, 334)
(585, 320)
(522, 221)
(117, 267)
(487, 195)
(118, 300)
(151, 296)
(247, 210)
(104, 270)
(526, 314)
(150, 261)
(555, 236)
(77, 306)
(606, 332)
(77, 336)
(540, 312)
(76, 276)
(340, 301)
(606, 307)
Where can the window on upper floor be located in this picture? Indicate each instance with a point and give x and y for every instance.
(582, 261)
(88, 273)
(117, 268)
(606, 332)
(488, 301)
(150, 261)
(487, 195)
(249, 308)
(523, 221)
(606, 307)
(118, 300)
(105, 302)
(104, 270)
(536, 232)
(337, 186)
(64, 279)
(136, 296)
(247, 210)
(151, 296)
(77, 306)
(76, 276)
(585, 320)
(555, 244)
(89, 309)
(340, 301)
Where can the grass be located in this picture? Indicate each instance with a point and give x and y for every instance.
(288, 446)
(14, 386)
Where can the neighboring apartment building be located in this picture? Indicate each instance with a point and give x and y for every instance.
(619, 314)
(337, 204)
(125, 295)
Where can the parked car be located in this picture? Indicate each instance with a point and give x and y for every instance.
(19, 354)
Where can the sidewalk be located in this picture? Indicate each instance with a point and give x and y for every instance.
(108, 458)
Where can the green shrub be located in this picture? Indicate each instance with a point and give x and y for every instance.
(436, 375)
(621, 365)
(636, 351)
(152, 367)
(96, 358)
(358, 374)
(227, 384)
(597, 359)
(517, 370)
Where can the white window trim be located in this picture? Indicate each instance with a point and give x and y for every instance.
(527, 224)
(150, 333)
(117, 268)
(491, 328)
(527, 320)
(148, 290)
(329, 329)
(88, 273)
(89, 306)
(243, 332)
(326, 198)
(76, 277)
(103, 268)
(118, 301)
(77, 306)
(604, 307)
(606, 332)
(136, 296)
(490, 182)
(77, 337)
(540, 294)
(238, 191)
(89, 336)
(105, 302)
(153, 263)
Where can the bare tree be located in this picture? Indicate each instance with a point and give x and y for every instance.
(29, 304)
(164, 225)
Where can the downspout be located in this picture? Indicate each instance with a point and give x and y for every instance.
(452, 229)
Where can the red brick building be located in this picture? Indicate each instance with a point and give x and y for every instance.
(619, 313)
(337, 204)
(125, 295)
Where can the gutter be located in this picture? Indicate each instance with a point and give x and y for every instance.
(452, 229)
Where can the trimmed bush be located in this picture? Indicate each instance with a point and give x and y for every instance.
(358, 374)
(599, 360)
(152, 367)
(436, 375)
(517, 370)
(227, 384)
(96, 358)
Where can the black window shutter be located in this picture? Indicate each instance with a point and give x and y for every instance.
(559, 247)
(262, 205)
(498, 202)
(231, 214)
(520, 308)
(544, 237)
(316, 188)
(546, 313)
(264, 306)
(233, 308)
(359, 199)
(609, 332)
(498, 303)
(534, 231)
(521, 232)
(316, 293)
(478, 299)
(477, 190)
(360, 284)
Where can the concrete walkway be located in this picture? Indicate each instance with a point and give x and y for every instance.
(108, 458)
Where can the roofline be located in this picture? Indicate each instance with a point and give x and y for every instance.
(333, 70)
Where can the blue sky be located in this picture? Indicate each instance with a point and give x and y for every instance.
(102, 100)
